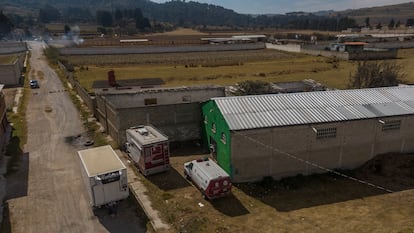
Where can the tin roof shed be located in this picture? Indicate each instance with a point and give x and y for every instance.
(262, 111)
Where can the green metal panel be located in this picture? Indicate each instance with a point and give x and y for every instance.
(221, 135)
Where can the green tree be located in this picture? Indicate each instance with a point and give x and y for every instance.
(391, 25)
(379, 26)
(48, 14)
(367, 23)
(254, 87)
(410, 22)
(141, 22)
(376, 74)
(118, 15)
(104, 18)
(5, 24)
(66, 29)
(398, 24)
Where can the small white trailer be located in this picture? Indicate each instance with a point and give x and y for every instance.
(209, 177)
(105, 176)
(148, 148)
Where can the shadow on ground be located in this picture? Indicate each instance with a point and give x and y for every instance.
(230, 206)
(128, 217)
(187, 149)
(394, 172)
(17, 180)
(168, 180)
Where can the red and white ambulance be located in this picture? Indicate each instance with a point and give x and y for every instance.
(148, 148)
(209, 177)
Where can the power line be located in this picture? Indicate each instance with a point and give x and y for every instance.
(315, 164)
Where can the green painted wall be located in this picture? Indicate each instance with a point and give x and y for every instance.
(211, 114)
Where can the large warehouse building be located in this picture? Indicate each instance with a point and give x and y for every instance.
(253, 137)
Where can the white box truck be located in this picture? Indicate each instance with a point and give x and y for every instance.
(209, 177)
(148, 148)
(105, 176)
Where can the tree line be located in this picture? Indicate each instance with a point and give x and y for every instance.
(190, 14)
(155, 16)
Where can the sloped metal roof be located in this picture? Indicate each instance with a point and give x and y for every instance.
(262, 111)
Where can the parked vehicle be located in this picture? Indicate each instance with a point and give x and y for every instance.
(34, 84)
(209, 177)
(148, 148)
(105, 176)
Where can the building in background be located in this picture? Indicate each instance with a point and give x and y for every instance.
(176, 112)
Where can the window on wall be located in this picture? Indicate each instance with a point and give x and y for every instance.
(223, 138)
(325, 133)
(213, 127)
(151, 101)
(391, 125)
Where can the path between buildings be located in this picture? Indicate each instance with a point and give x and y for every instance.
(139, 190)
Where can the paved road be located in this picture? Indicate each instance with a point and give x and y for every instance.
(48, 194)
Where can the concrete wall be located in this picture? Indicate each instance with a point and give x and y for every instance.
(180, 122)
(177, 112)
(294, 48)
(318, 50)
(163, 96)
(355, 143)
(392, 45)
(161, 49)
(373, 55)
(10, 74)
(12, 47)
(87, 98)
(340, 55)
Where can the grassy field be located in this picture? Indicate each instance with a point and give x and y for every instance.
(269, 66)
(204, 68)
(406, 59)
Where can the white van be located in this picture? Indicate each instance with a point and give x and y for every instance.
(209, 177)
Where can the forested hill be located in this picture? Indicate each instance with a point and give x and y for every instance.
(178, 12)
(190, 13)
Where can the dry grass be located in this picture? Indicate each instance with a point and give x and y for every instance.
(180, 32)
(406, 59)
(269, 66)
(84, 28)
(319, 203)
(274, 66)
(7, 59)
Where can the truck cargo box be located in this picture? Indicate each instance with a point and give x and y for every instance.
(209, 177)
(104, 174)
(148, 148)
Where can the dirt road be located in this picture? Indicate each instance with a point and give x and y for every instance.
(47, 194)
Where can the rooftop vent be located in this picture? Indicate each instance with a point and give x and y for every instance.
(143, 131)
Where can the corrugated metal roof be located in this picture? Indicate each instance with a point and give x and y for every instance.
(261, 111)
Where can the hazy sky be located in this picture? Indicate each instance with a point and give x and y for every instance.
(283, 6)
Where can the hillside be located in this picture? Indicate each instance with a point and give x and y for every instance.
(382, 14)
(190, 14)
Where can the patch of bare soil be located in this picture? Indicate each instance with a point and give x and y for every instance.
(315, 203)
